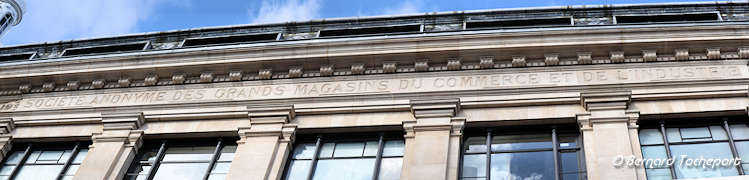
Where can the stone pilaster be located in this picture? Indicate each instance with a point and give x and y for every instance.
(433, 140)
(609, 130)
(265, 145)
(114, 148)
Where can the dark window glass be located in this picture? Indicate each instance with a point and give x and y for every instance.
(43, 162)
(523, 156)
(332, 158)
(174, 160)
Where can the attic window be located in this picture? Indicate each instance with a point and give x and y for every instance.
(666, 18)
(17, 56)
(414, 28)
(235, 39)
(106, 49)
(561, 21)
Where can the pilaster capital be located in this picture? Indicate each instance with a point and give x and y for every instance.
(6, 125)
(122, 121)
(272, 114)
(270, 121)
(428, 108)
(605, 100)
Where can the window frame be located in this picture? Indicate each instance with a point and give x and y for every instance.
(161, 152)
(662, 125)
(30, 148)
(320, 140)
(556, 150)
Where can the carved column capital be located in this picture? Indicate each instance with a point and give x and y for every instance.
(434, 115)
(6, 125)
(121, 127)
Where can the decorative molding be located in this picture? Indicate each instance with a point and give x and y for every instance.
(389, 67)
(617, 56)
(649, 55)
(122, 121)
(235, 75)
(48, 87)
(454, 64)
(357, 69)
(24, 88)
(151, 80)
(421, 65)
(584, 58)
(295, 72)
(435, 107)
(326, 70)
(486, 62)
(681, 54)
(743, 52)
(713, 53)
(206, 77)
(72, 85)
(518, 61)
(178, 78)
(124, 82)
(265, 73)
(98, 83)
(551, 59)
(6, 125)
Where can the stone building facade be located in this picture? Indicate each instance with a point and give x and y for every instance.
(545, 93)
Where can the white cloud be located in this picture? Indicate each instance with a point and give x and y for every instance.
(64, 20)
(272, 11)
(405, 7)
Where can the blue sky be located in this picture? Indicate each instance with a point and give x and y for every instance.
(56, 20)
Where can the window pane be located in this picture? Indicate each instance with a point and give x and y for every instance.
(50, 156)
(475, 144)
(474, 165)
(567, 141)
(72, 169)
(739, 131)
(33, 156)
(304, 151)
(349, 149)
(65, 156)
(569, 161)
(390, 168)
(298, 170)
(707, 151)
(38, 172)
(182, 171)
(326, 151)
(743, 149)
(694, 133)
(718, 133)
(650, 136)
(227, 153)
(658, 174)
(571, 176)
(525, 165)
(217, 177)
(6, 170)
(221, 168)
(521, 142)
(371, 148)
(198, 153)
(393, 148)
(14, 158)
(344, 169)
(654, 152)
(673, 135)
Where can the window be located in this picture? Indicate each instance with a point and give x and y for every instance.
(515, 23)
(330, 158)
(668, 18)
(400, 29)
(547, 154)
(246, 38)
(691, 141)
(43, 162)
(207, 160)
(126, 47)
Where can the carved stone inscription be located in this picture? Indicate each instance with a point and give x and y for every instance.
(406, 85)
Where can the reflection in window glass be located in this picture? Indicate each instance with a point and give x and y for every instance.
(43, 162)
(347, 159)
(693, 142)
(183, 161)
(525, 156)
